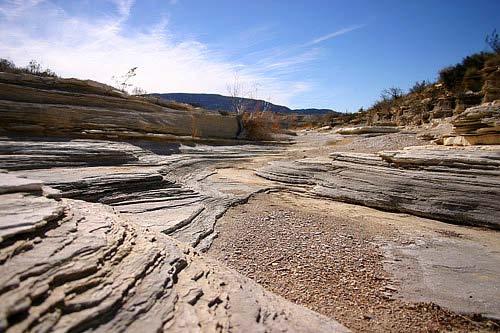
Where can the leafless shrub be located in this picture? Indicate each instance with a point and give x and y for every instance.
(260, 126)
(33, 68)
(235, 91)
(122, 81)
(493, 41)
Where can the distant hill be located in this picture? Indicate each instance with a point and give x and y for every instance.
(217, 102)
(314, 111)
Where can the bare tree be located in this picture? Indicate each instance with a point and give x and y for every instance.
(138, 91)
(266, 104)
(36, 69)
(235, 91)
(493, 41)
(122, 81)
(263, 105)
(392, 93)
(240, 93)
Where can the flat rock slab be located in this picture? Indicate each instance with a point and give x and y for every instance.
(367, 130)
(437, 158)
(11, 184)
(23, 213)
(31, 154)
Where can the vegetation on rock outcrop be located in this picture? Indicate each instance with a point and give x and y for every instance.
(474, 80)
(33, 68)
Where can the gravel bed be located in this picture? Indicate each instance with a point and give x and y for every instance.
(328, 263)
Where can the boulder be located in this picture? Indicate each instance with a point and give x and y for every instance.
(476, 125)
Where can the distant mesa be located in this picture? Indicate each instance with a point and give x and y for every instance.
(215, 102)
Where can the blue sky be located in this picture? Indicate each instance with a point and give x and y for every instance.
(325, 54)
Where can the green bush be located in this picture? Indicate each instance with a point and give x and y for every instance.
(418, 87)
(453, 77)
(472, 79)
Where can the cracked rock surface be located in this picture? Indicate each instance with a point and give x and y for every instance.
(108, 236)
(75, 266)
(168, 188)
(427, 181)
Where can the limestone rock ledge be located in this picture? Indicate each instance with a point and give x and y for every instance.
(74, 266)
(75, 108)
(476, 125)
(456, 185)
(367, 130)
(166, 187)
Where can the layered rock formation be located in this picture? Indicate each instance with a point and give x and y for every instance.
(366, 130)
(69, 107)
(476, 125)
(74, 266)
(474, 81)
(453, 185)
(491, 86)
(109, 234)
(167, 187)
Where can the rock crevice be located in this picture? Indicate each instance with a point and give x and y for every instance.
(96, 271)
(418, 181)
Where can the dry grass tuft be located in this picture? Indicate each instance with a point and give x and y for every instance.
(260, 126)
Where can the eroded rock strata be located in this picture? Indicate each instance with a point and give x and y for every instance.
(167, 187)
(452, 185)
(476, 125)
(75, 266)
(108, 235)
(70, 107)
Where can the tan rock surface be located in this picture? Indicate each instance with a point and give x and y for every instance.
(90, 269)
(70, 107)
(476, 125)
(109, 262)
(425, 181)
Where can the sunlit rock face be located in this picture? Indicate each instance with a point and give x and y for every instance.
(476, 125)
(71, 265)
(70, 107)
(455, 185)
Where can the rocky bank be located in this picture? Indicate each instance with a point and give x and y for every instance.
(51, 106)
(109, 203)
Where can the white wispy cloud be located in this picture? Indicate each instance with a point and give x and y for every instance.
(292, 61)
(11, 9)
(99, 48)
(123, 6)
(335, 34)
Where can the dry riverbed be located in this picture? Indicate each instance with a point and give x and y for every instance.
(333, 258)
